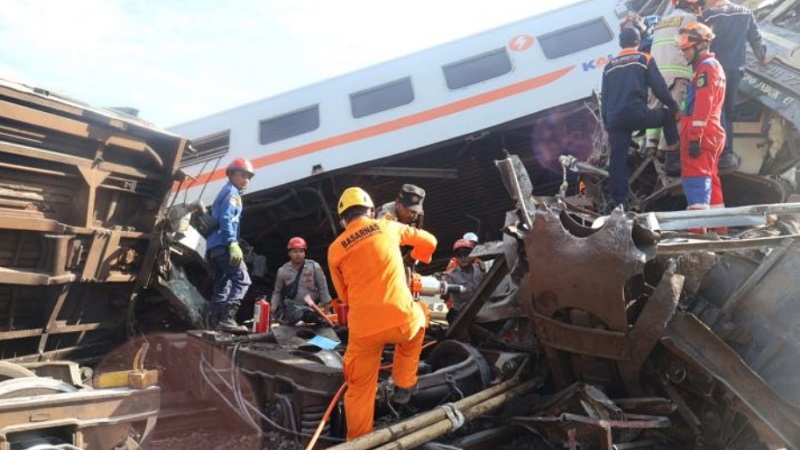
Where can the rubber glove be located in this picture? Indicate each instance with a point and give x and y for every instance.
(236, 254)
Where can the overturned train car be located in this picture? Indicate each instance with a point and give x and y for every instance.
(81, 191)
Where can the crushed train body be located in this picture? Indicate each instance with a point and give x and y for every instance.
(613, 332)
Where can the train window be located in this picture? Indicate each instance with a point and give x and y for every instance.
(288, 125)
(206, 148)
(567, 41)
(383, 97)
(477, 68)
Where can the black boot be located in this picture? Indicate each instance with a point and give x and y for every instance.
(213, 319)
(672, 164)
(228, 321)
(728, 162)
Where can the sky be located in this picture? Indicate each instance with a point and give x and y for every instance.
(179, 60)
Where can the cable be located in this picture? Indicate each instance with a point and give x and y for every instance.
(326, 416)
(247, 420)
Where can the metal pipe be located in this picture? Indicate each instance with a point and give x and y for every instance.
(740, 216)
(722, 246)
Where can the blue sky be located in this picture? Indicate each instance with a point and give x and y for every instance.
(177, 60)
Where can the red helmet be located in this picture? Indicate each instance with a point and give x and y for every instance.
(297, 242)
(240, 165)
(463, 243)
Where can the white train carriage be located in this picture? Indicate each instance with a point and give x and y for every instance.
(411, 102)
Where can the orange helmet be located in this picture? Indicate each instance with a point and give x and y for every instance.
(463, 243)
(240, 165)
(297, 242)
(693, 34)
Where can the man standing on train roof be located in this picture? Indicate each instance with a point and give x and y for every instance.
(407, 207)
(627, 79)
(224, 255)
(673, 67)
(367, 271)
(702, 133)
(298, 278)
(734, 26)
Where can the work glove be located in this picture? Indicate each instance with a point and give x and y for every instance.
(694, 149)
(236, 254)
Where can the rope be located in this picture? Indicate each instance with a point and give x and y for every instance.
(454, 414)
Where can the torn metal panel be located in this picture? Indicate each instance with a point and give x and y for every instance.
(183, 296)
(759, 323)
(772, 414)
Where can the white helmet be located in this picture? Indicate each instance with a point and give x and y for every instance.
(470, 236)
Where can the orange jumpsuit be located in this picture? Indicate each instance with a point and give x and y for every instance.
(367, 271)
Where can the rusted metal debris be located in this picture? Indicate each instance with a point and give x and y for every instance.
(81, 190)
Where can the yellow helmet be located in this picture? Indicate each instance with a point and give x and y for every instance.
(354, 196)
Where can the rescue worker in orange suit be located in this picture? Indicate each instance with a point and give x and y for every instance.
(407, 207)
(231, 279)
(675, 70)
(626, 80)
(702, 133)
(467, 274)
(368, 274)
(298, 278)
(734, 27)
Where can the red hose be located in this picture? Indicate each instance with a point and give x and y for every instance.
(326, 416)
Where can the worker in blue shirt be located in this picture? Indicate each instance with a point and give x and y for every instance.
(734, 26)
(626, 80)
(224, 255)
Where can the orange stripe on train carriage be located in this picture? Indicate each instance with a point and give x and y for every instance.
(394, 125)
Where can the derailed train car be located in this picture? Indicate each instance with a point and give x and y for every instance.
(82, 231)
(634, 350)
(81, 191)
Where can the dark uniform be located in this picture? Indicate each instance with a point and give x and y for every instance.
(470, 279)
(734, 26)
(230, 283)
(626, 80)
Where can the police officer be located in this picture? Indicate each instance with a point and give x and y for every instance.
(673, 67)
(224, 255)
(626, 80)
(733, 26)
(368, 274)
(298, 278)
(702, 132)
(467, 273)
(407, 207)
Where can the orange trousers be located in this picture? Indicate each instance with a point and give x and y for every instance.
(362, 360)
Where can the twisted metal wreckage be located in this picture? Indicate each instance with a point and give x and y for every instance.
(624, 335)
(618, 332)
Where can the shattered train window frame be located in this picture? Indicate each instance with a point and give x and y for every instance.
(208, 147)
